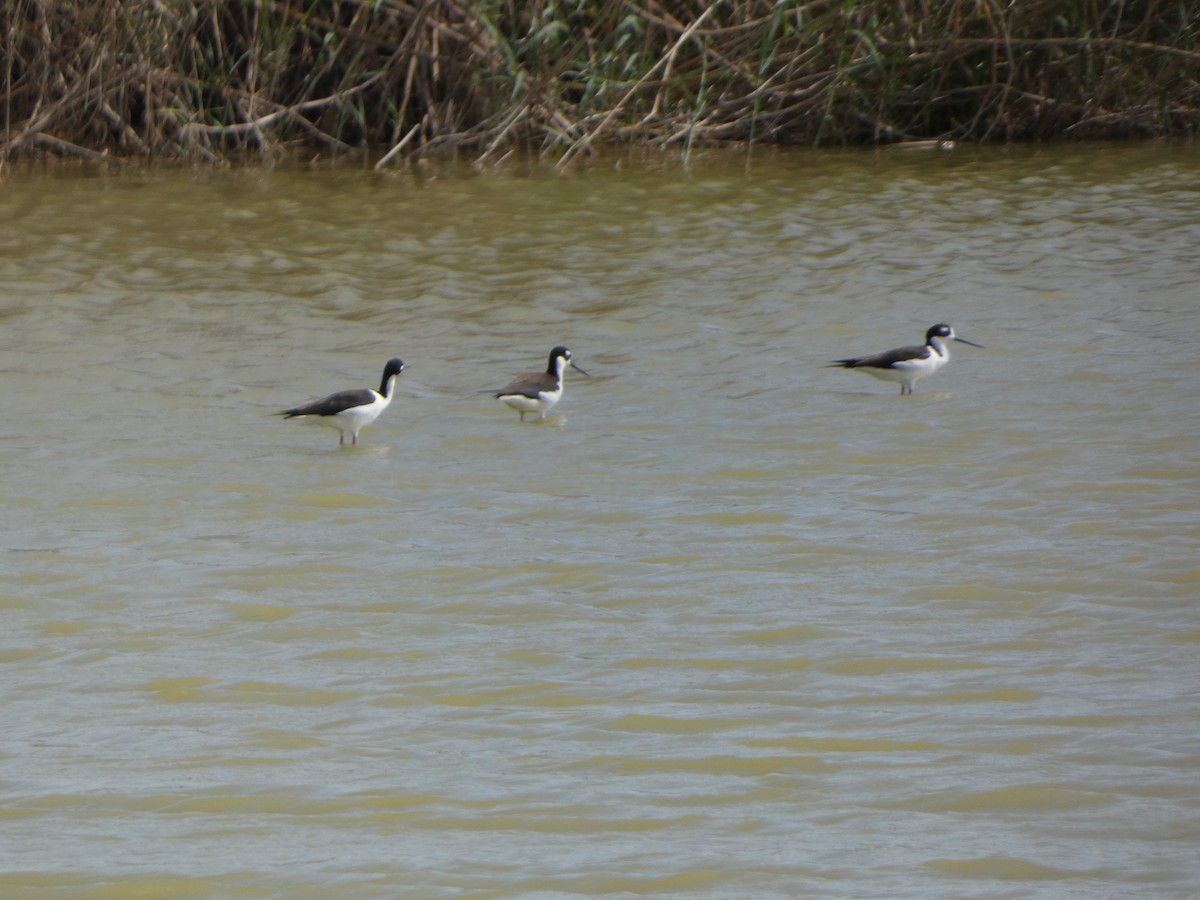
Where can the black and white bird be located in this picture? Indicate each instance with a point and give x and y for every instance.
(351, 411)
(537, 392)
(908, 365)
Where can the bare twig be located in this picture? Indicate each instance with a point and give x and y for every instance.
(588, 139)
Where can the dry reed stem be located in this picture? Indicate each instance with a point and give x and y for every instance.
(212, 80)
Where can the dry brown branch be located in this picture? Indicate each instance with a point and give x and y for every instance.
(211, 79)
(66, 148)
(588, 140)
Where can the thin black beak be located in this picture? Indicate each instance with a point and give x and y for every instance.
(972, 343)
(577, 369)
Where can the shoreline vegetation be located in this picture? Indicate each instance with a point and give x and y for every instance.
(396, 80)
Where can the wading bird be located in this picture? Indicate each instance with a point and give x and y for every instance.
(537, 392)
(351, 410)
(908, 365)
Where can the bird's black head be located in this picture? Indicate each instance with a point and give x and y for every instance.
(393, 368)
(946, 333)
(561, 352)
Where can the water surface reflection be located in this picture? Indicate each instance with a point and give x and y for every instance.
(728, 624)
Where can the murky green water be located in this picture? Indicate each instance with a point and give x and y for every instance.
(728, 625)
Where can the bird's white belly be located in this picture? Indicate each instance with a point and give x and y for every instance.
(539, 404)
(359, 416)
(906, 372)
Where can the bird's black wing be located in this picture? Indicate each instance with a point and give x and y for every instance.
(527, 386)
(888, 359)
(333, 404)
